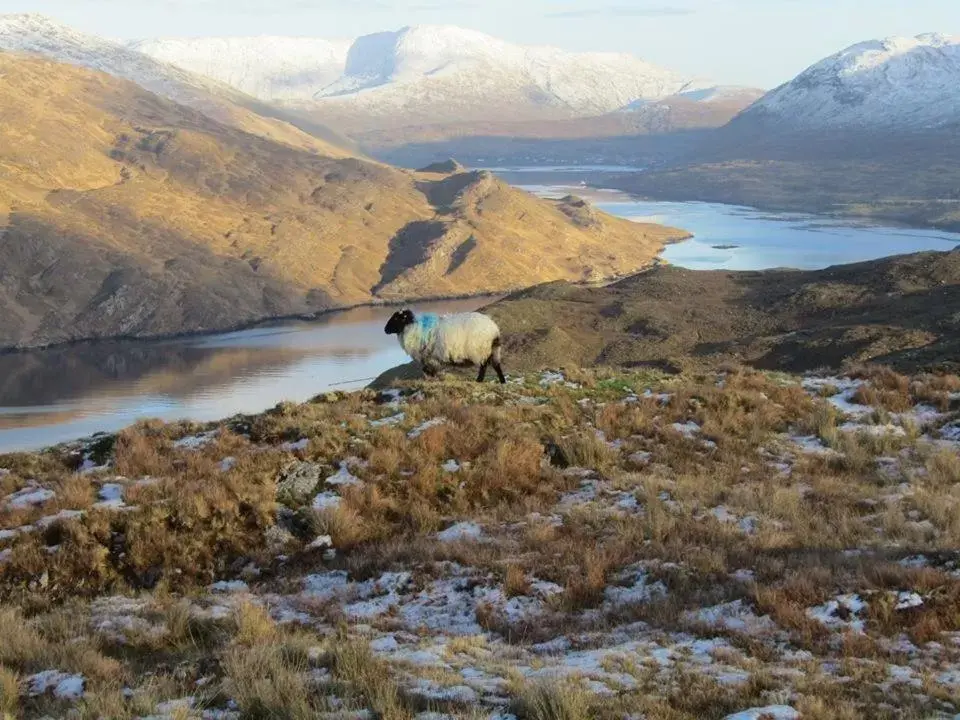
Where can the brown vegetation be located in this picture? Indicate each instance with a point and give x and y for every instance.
(624, 510)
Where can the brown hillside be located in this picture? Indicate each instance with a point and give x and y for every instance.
(123, 214)
(903, 310)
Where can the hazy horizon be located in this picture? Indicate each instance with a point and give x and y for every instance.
(732, 42)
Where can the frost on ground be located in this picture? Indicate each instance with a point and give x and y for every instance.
(569, 536)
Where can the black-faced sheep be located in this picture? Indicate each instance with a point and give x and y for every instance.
(459, 339)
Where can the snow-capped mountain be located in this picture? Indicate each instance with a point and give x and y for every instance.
(899, 82)
(270, 68)
(424, 74)
(427, 64)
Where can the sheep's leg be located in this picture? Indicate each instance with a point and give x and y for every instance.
(430, 370)
(483, 370)
(495, 357)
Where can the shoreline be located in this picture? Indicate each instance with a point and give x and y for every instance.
(898, 217)
(307, 318)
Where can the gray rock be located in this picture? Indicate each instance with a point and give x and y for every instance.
(298, 482)
(278, 538)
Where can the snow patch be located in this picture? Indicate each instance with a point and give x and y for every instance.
(771, 712)
(343, 476)
(29, 497)
(418, 431)
(195, 442)
(689, 429)
(63, 685)
(111, 497)
(639, 591)
(389, 421)
(843, 611)
(734, 616)
(461, 531)
(326, 501)
(300, 444)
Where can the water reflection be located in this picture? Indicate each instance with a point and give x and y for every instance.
(72, 391)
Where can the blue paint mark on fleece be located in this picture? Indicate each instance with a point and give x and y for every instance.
(428, 321)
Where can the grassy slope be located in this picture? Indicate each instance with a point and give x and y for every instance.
(125, 214)
(900, 310)
(674, 540)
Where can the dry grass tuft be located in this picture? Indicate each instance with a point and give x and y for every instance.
(516, 582)
(9, 693)
(561, 699)
(266, 683)
(943, 470)
(254, 625)
(367, 678)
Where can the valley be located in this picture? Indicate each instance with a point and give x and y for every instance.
(62, 393)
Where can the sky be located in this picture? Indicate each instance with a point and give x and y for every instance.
(761, 43)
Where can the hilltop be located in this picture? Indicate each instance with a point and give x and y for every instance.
(270, 68)
(129, 215)
(903, 311)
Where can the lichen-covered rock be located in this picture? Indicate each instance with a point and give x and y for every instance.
(298, 482)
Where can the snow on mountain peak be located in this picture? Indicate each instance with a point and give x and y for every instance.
(40, 35)
(463, 70)
(268, 67)
(468, 69)
(893, 82)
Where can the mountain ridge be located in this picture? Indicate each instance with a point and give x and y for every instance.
(431, 74)
(36, 34)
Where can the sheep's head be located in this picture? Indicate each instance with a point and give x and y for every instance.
(398, 321)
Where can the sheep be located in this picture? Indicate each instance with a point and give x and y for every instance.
(460, 339)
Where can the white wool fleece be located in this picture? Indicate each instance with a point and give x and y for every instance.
(450, 339)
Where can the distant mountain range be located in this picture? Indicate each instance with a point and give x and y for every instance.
(466, 74)
(430, 83)
(873, 129)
